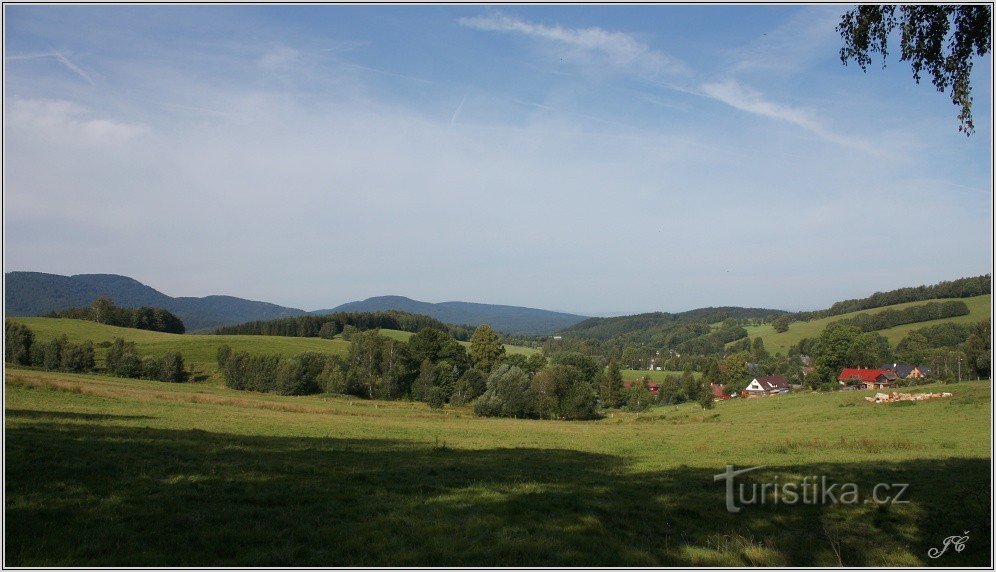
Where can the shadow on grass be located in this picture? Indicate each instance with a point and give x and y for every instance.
(101, 495)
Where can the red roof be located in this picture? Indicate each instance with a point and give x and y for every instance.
(862, 374)
(717, 391)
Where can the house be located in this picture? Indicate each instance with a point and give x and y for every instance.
(865, 378)
(906, 371)
(652, 386)
(717, 391)
(768, 385)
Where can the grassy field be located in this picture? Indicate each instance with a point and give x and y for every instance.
(774, 342)
(658, 376)
(105, 471)
(510, 349)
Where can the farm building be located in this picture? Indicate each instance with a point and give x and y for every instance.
(768, 385)
(864, 378)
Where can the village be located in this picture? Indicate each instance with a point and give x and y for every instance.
(887, 376)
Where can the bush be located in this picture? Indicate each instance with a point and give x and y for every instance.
(436, 398)
(221, 357)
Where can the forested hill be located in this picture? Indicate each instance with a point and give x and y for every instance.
(38, 293)
(606, 328)
(509, 319)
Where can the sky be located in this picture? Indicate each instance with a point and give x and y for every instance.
(590, 159)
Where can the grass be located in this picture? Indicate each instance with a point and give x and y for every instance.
(509, 349)
(657, 376)
(105, 471)
(774, 342)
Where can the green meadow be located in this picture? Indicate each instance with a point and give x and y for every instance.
(509, 349)
(774, 342)
(105, 471)
(657, 376)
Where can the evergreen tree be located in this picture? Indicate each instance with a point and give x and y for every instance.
(612, 387)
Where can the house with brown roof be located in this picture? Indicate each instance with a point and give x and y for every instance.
(768, 385)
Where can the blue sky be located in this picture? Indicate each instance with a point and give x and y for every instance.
(580, 158)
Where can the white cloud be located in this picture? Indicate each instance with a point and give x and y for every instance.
(68, 123)
(742, 97)
(586, 45)
(791, 47)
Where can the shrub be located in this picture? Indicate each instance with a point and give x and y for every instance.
(436, 398)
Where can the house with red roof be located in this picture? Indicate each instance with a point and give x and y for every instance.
(866, 378)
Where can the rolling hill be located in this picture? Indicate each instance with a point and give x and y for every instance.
(37, 293)
(509, 319)
(774, 342)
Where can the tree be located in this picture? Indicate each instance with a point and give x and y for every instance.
(977, 349)
(509, 394)
(612, 385)
(781, 323)
(486, 349)
(564, 392)
(425, 382)
(733, 373)
(913, 348)
(705, 397)
(535, 362)
(221, 356)
(639, 397)
(757, 350)
(869, 349)
(17, 343)
(470, 385)
(940, 39)
(832, 351)
(101, 309)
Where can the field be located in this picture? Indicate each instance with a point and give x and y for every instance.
(775, 342)
(198, 350)
(658, 376)
(105, 471)
(509, 349)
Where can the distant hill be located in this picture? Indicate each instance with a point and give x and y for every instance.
(36, 293)
(645, 326)
(509, 319)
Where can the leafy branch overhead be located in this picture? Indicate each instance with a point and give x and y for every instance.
(937, 38)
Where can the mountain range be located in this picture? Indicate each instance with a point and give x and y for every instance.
(37, 293)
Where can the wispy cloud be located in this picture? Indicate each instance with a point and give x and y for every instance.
(59, 57)
(68, 123)
(586, 45)
(791, 47)
(456, 113)
(750, 100)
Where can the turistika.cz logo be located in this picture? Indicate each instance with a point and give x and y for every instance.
(811, 490)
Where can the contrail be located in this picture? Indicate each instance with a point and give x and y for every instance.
(458, 110)
(59, 57)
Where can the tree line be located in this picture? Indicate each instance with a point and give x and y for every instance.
(103, 311)
(59, 354)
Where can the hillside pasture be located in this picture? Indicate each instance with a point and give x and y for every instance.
(657, 376)
(105, 471)
(775, 342)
